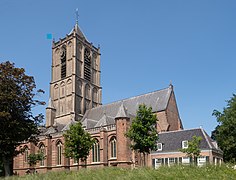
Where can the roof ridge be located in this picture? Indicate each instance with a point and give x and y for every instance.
(178, 130)
(119, 101)
(205, 135)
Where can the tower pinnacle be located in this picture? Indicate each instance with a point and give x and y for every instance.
(77, 15)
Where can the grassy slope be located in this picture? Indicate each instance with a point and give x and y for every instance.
(177, 172)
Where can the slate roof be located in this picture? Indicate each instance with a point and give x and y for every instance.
(121, 112)
(78, 31)
(158, 100)
(53, 129)
(172, 140)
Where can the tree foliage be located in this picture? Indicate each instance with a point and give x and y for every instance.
(193, 150)
(34, 158)
(17, 122)
(78, 142)
(143, 131)
(225, 132)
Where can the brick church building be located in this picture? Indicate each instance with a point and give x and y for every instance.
(75, 95)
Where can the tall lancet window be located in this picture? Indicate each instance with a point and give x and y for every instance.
(87, 65)
(63, 62)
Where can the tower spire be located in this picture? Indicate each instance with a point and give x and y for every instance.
(77, 15)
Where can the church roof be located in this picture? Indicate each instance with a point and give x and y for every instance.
(67, 127)
(158, 100)
(104, 121)
(78, 31)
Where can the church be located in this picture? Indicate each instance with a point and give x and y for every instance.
(75, 95)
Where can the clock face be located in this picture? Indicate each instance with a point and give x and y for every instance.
(62, 52)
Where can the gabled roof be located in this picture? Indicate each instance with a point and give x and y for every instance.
(78, 31)
(104, 121)
(172, 140)
(158, 100)
(67, 127)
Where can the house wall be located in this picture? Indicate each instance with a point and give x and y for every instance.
(166, 155)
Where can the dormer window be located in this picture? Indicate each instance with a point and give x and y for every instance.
(184, 144)
(159, 146)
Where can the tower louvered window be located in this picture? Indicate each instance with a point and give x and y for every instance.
(63, 62)
(87, 65)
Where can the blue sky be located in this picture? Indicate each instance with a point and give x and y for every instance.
(144, 46)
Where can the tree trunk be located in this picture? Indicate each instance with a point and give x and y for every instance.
(78, 164)
(144, 160)
(7, 163)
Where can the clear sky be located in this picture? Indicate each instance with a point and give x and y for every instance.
(144, 46)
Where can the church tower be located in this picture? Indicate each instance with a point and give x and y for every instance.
(75, 80)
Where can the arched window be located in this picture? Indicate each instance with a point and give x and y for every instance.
(87, 91)
(87, 65)
(42, 151)
(59, 153)
(95, 95)
(63, 62)
(113, 147)
(26, 154)
(96, 151)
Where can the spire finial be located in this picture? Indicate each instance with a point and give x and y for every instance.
(77, 15)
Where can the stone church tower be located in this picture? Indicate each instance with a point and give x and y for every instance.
(75, 81)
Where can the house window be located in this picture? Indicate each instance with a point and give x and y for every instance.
(159, 146)
(42, 151)
(96, 151)
(184, 144)
(171, 161)
(26, 154)
(185, 160)
(59, 153)
(158, 163)
(201, 161)
(113, 147)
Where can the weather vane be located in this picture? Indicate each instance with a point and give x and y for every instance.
(77, 15)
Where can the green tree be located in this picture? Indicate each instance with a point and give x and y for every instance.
(225, 131)
(143, 131)
(17, 123)
(193, 150)
(34, 158)
(78, 142)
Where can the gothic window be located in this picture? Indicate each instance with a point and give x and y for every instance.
(59, 153)
(63, 62)
(95, 95)
(42, 151)
(96, 151)
(87, 91)
(26, 154)
(113, 147)
(75, 161)
(87, 103)
(79, 87)
(79, 106)
(87, 65)
(56, 92)
(94, 77)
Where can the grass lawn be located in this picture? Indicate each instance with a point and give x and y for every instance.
(175, 172)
